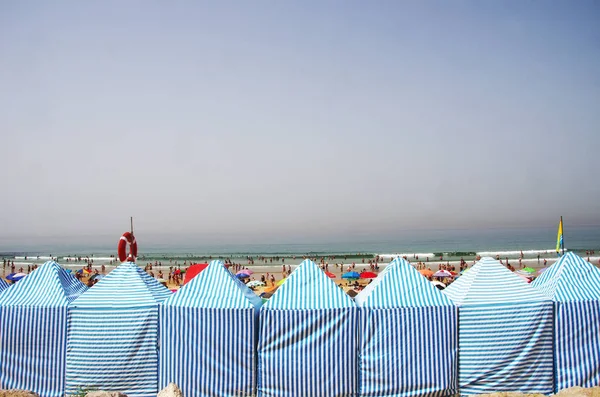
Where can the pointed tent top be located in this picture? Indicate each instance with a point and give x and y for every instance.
(3, 285)
(308, 287)
(216, 288)
(489, 282)
(571, 278)
(401, 285)
(47, 286)
(126, 286)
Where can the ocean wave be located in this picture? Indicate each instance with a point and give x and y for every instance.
(408, 255)
(517, 253)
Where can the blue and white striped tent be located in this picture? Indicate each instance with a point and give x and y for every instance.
(33, 330)
(3, 285)
(408, 337)
(505, 332)
(574, 286)
(308, 339)
(113, 334)
(208, 334)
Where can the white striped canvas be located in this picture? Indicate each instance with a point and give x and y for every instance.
(574, 286)
(33, 330)
(505, 332)
(308, 338)
(208, 333)
(113, 334)
(408, 336)
(3, 285)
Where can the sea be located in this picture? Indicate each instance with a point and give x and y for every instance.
(448, 245)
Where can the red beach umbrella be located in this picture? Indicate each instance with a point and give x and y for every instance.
(193, 271)
(368, 275)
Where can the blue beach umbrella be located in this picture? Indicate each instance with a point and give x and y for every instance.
(14, 277)
(242, 275)
(351, 275)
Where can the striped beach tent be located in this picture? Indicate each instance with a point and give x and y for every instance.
(208, 335)
(308, 338)
(3, 285)
(505, 332)
(33, 330)
(113, 334)
(574, 286)
(408, 336)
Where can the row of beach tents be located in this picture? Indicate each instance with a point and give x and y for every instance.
(488, 331)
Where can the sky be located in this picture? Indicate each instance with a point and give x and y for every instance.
(281, 120)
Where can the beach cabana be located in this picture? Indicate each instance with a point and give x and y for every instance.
(505, 332)
(33, 330)
(408, 336)
(113, 334)
(308, 338)
(3, 285)
(208, 334)
(574, 286)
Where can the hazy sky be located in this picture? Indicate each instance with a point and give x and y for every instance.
(271, 120)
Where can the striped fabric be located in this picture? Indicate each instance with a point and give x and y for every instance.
(208, 333)
(574, 286)
(408, 337)
(113, 334)
(505, 332)
(308, 338)
(3, 285)
(33, 330)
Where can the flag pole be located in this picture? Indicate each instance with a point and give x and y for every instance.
(563, 236)
(131, 220)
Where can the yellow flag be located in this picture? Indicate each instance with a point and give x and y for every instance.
(559, 237)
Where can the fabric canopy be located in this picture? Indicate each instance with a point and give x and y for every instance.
(3, 285)
(193, 271)
(408, 343)
(33, 330)
(574, 286)
(113, 333)
(308, 338)
(208, 333)
(505, 332)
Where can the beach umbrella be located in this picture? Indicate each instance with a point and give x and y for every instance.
(442, 273)
(242, 275)
(245, 271)
(330, 275)
(193, 271)
(542, 270)
(255, 283)
(426, 272)
(14, 277)
(368, 275)
(351, 275)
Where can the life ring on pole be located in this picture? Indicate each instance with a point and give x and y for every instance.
(127, 239)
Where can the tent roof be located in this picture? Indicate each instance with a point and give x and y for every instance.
(571, 278)
(215, 287)
(308, 287)
(126, 286)
(3, 285)
(401, 285)
(490, 282)
(47, 286)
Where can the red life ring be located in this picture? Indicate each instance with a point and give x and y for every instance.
(127, 238)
